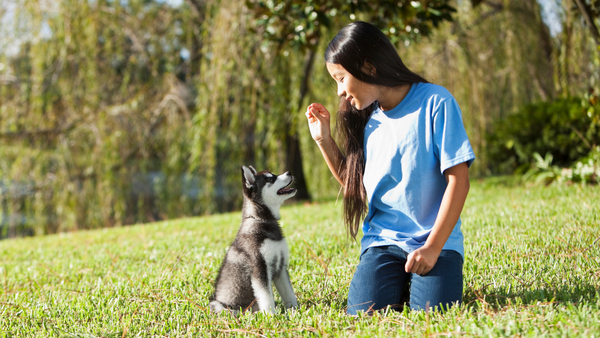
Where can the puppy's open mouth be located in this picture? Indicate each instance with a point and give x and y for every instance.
(286, 190)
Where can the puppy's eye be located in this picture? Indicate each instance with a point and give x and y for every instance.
(271, 179)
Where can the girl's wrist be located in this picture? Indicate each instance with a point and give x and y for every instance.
(325, 141)
(434, 247)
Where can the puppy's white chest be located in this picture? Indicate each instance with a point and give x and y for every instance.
(275, 252)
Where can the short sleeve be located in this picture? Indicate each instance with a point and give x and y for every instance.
(452, 144)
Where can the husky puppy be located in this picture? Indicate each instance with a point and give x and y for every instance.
(259, 254)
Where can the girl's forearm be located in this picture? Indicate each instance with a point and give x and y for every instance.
(453, 202)
(333, 156)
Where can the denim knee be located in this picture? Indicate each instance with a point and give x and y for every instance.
(380, 281)
(440, 288)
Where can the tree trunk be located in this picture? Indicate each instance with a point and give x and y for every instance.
(294, 155)
(294, 165)
(566, 53)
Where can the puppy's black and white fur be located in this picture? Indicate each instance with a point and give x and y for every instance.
(259, 254)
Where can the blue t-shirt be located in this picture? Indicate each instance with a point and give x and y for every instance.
(407, 150)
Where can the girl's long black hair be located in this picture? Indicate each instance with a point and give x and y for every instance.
(355, 46)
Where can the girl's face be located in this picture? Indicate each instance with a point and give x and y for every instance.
(360, 94)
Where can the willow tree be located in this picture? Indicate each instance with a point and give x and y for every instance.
(577, 48)
(91, 119)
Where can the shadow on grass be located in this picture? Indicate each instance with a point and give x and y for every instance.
(490, 298)
(498, 298)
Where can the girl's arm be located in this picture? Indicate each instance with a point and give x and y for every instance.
(319, 125)
(422, 260)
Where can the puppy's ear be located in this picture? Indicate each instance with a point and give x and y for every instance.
(253, 170)
(248, 176)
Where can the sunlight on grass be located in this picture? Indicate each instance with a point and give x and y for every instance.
(532, 268)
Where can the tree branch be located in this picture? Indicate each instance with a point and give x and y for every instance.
(40, 132)
(589, 20)
(196, 9)
(536, 82)
(496, 8)
(8, 79)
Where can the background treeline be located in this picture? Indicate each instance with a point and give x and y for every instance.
(118, 112)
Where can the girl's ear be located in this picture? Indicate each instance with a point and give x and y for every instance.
(248, 176)
(368, 68)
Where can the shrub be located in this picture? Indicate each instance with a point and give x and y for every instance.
(586, 170)
(567, 128)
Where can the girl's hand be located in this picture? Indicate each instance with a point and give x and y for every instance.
(421, 261)
(318, 122)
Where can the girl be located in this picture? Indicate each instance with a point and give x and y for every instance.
(406, 155)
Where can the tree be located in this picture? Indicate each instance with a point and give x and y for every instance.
(91, 119)
(300, 25)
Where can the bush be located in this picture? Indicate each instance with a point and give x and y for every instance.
(567, 128)
(586, 170)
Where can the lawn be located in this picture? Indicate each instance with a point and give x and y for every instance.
(532, 269)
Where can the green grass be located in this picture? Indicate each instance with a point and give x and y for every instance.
(532, 269)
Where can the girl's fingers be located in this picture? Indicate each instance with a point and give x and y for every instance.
(313, 115)
(316, 105)
(409, 264)
(318, 108)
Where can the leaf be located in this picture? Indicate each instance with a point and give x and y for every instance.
(434, 12)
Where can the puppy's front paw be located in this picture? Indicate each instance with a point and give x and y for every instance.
(293, 312)
(294, 309)
(291, 304)
(216, 307)
(268, 311)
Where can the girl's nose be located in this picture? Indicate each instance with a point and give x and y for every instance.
(341, 92)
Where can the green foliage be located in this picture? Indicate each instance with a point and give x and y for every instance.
(299, 23)
(543, 170)
(568, 129)
(585, 171)
(531, 270)
(93, 118)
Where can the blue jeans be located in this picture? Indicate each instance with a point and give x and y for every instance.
(380, 280)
